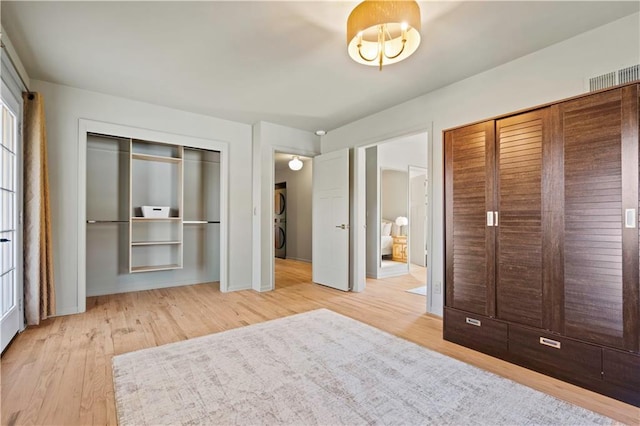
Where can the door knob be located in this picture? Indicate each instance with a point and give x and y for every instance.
(343, 226)
(4, 240)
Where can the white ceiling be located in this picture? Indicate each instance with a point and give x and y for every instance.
(283, 62)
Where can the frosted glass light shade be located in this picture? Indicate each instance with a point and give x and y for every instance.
(295, 163)
(402, 221)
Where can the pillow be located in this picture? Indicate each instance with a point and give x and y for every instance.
(386, 229)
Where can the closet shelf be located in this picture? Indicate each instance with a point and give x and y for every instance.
(154, 268)
(160, 247)
(149, 157)
(154, 243)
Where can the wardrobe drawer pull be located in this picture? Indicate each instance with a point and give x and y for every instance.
(549, 342)
(473, 321)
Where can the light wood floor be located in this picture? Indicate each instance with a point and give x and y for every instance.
(60, 372)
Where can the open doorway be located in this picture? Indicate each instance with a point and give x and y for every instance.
(396, 212)
(394, 255)
(292, 226)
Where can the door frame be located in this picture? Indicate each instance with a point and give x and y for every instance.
(359, 210)
(86, 126)
(270, 262)
(15, 105)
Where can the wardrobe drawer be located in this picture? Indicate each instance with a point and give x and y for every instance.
(622, 368)
(622, 373)
(557, 356)
(476, 332)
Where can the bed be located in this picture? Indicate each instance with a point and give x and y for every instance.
(386, 245)
(387, 229)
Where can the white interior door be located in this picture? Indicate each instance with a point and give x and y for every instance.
(9, 311)
(331, 219)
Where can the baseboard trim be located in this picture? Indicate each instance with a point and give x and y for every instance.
(245, 287)
(66, 311)
(299, 259)
(393, 272)
(144, 287)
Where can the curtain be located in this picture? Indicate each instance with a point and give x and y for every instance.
(39, 286)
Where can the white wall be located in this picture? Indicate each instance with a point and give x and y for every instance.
(553, 73)
(299, 185)
(65, 106)
(403, 152)
(268, 138)
(394, 190)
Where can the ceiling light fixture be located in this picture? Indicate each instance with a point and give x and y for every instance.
(383, 32)
(321, 132)
(295, 163)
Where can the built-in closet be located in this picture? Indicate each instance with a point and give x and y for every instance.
(542, 243)
(153, 215)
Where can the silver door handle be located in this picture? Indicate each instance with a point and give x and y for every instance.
(630, 218)
(489, 218)
(343, 226)
(495, 218)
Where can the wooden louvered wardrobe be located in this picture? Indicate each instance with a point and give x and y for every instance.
(542, 242)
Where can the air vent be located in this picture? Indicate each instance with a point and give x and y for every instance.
(602, 81)
(613, 78)
(629, 74)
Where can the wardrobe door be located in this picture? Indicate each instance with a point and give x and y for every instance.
(600, 137)
(469, 196)
(522, 151)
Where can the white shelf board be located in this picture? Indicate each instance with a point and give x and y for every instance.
(160, 158)
(154, 243)
(152, 268)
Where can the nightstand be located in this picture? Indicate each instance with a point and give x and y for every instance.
(399, 249)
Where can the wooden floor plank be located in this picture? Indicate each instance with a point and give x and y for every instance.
(60, 372)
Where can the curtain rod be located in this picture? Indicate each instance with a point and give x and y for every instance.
(13, 64)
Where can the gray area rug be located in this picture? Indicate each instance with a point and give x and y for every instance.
(418, 290)
(321, 368)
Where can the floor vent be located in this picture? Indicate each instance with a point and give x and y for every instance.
(622, 76)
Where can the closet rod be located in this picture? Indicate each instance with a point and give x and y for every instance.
(107, 221)
(102, 135)
(189, 222)
(191, 148)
